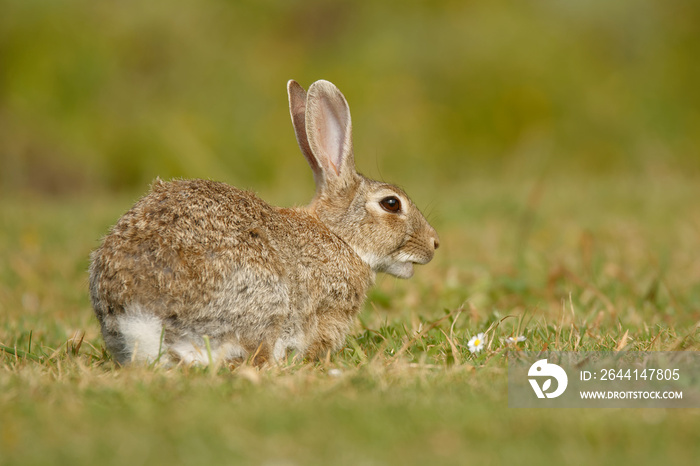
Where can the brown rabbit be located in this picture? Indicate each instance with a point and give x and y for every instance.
(196, 258)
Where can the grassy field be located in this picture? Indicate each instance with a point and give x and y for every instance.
(553, 145)
(571, 263)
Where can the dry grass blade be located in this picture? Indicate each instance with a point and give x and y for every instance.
(623, 341)
(424, 331)
(453, 348)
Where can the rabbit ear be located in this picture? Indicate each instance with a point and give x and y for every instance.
(297, 110)
(329, 133)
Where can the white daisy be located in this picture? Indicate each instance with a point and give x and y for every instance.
(476, 343)
(514, 340)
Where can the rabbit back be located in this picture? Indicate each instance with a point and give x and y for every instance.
(197, 258)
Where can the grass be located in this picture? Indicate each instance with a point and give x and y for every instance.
(573, 263)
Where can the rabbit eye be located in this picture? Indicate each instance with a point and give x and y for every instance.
(390, 204)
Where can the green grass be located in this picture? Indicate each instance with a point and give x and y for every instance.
(572, 262)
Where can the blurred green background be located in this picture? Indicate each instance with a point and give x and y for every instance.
(107, 95)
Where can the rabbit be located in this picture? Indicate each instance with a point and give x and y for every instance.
(200, 271)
